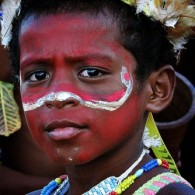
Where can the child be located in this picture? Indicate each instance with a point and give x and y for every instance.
(91, 73)
(23, 166)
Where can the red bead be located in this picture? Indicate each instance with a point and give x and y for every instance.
(63, 177)
(165, 164)
(113, 193)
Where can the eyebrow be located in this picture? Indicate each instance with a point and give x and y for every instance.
(92, 57)
(70, 59)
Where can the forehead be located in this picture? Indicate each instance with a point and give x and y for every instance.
(68, 27)
(70, 33)
(74, 20)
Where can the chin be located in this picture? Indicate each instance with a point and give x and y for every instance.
(65, 160)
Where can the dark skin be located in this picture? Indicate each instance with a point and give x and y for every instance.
(105, 151)
(24, 166)
(157, 88)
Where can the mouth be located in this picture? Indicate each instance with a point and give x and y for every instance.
(64, 130)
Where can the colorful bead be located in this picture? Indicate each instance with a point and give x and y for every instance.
(63, 177)
(113, 193)
(1, 15)
(139, 172)
(159, 162)
(47, 190)
(58, 181)
(125, 184)
(109, 185)
(165, 164)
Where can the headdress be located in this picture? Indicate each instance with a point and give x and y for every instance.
(176, 16)
(10, 9)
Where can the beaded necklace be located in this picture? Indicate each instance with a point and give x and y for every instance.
(109, 186)
(52, 185)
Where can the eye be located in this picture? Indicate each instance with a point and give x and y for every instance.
(92, 72)
(38, 75)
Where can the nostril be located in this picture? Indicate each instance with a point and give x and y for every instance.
(48, 104)
(69, 102)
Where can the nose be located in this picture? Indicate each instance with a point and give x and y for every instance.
(62, 103)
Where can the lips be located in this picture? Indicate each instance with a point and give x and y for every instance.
(64, 130)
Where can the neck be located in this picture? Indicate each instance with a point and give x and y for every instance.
(115, 163)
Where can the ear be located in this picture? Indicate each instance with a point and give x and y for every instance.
(161, 89)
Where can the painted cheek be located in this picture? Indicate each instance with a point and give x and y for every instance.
(111, 97)
(31, 117)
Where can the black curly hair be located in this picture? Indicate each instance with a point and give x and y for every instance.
(145, 38)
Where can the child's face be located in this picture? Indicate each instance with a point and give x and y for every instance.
(79, 62)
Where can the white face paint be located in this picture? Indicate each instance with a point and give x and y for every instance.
(103, 105)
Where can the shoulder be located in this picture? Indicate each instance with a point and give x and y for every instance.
(176, 189)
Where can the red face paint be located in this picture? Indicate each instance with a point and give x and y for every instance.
(111, 103)
(110, 97)
(54, 58)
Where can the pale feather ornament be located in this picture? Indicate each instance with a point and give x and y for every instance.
(151, 141)
(10, 10)
(176, 16)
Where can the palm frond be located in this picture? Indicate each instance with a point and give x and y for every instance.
(9, 111)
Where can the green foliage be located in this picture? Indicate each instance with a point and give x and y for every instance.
(9, 111)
